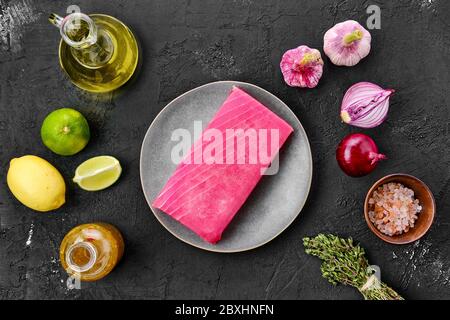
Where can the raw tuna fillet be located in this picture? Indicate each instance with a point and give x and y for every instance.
(208, 187)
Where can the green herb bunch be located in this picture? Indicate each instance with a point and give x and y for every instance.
(344, 262)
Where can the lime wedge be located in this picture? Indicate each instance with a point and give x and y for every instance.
(97, 173)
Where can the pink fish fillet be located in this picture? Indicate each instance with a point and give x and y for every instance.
(217, 175)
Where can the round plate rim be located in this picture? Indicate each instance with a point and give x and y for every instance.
(222, 250)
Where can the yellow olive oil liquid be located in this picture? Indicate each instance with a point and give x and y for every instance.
(108, 63)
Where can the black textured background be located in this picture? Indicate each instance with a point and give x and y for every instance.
(187, 43)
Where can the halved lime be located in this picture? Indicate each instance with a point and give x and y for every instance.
(97, 173)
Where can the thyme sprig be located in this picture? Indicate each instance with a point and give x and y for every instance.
(344, 262)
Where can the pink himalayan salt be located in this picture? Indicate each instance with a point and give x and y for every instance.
(393, 208)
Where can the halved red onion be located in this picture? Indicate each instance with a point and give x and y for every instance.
(365, 105)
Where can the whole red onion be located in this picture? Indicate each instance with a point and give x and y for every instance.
(357, 155)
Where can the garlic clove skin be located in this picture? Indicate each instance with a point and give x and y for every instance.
(302, 67)
(347, 43)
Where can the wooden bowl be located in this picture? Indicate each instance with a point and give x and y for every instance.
(424, 218)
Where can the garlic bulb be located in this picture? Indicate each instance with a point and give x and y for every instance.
(302, 67)
(346, 43)
(365, 105)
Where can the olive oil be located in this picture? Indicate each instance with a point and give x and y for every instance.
(98, 52)
(91, 251)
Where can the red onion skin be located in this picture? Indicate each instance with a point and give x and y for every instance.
(357, 155)
(365, 105)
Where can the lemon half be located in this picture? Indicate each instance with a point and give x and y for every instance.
(97, 173)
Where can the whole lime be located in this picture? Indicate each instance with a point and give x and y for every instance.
(65, 131)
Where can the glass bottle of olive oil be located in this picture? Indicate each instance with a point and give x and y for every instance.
(98, 52)
(91, 251)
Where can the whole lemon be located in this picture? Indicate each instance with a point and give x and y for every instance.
(36, 183)
(65, 131)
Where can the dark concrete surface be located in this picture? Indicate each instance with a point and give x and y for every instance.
(188, 43)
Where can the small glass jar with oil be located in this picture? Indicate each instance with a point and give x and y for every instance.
(98, 52)
(90, 251)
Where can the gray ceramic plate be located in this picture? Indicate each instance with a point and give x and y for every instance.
(276, 201)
